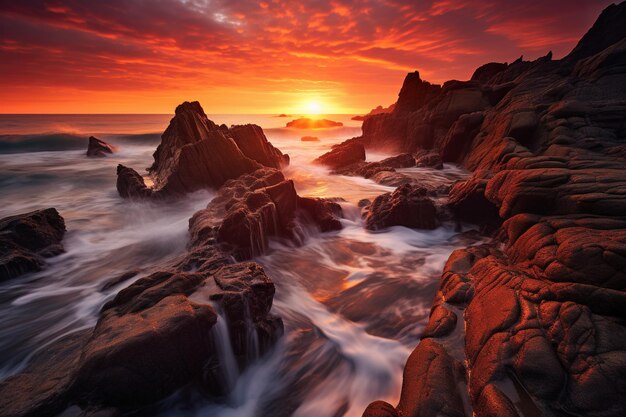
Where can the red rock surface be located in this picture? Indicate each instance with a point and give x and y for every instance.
(539, 310)
(99, 148)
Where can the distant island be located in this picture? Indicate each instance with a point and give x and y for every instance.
(306, 123)
(284, 115)
(310, 139)
(377, 110)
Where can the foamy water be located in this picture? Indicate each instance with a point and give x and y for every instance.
(354, 302)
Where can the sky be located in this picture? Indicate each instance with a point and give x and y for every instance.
(271, 56)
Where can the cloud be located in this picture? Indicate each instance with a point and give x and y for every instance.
(146, 56)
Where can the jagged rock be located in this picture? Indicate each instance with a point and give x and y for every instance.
(346, 153)
(195, 153)
(99, 148)
(130, 184)
(375, 111)
(407, 206)
(258, 206)
(486, 72)
(26, 239)
(542, 303)
(370, 169)
(415, 93)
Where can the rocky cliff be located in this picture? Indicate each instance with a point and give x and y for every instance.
(532, 323)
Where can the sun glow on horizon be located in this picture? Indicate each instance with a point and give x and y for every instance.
(314, 107)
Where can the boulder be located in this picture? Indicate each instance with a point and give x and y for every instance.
(26, 239)
(427, 159)
(407, 206)
(343, 154)
(131, 185)
(98, 148)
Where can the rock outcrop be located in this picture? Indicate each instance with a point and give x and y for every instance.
(407, 206)
(99, 148)
(374, 111)
(196, 153)
(531, 323)
(26, 239)
(343, 154)
(260, 205)
(307, 123)
(158, 335)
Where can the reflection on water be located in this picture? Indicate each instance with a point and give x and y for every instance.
(354, 302)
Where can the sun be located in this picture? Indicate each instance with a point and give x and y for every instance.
(314, 107)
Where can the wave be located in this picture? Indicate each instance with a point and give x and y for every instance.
(49, 142)
(65, 141)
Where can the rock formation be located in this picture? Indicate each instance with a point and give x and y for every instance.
(195, 153)
(260, 205)
(99, 148)
(307, 123)
(531, 323)
(377, 110)
(343, 154)
(26, 239)
(407, 206)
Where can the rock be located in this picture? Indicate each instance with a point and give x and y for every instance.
(258, 206)
(195, 153)
(252, 142)
(415, 93)
(377, 110)
(130, 184)
(306, 123)
(98, 147)
(343, 154)
(486, 72)
(427, 159)
(541, 303)
(468, 202)
(309, 139)
(26, 239)
(407, 206)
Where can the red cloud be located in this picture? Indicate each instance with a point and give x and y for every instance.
(244, 56)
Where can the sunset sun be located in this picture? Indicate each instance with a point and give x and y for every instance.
(314, 107)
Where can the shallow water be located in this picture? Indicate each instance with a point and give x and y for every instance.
(354, 302)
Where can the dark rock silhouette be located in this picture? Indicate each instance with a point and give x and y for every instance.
(377, 110)
(538, 306)
(307, 123)
(99, 148)
(26, 239)
(344, 154)
(195, 153)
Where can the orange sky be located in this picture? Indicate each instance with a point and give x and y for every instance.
(239, 56)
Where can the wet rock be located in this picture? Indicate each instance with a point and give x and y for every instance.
(407, 206)
(98, 148)
(26, 239)
(540, 303)
(343, 154)
(195, 153)
(130, 184)
(427, 159)
(258, 206)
